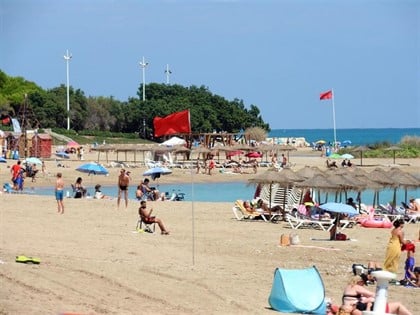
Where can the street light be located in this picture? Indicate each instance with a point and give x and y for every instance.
(168, 73)
(143, 66)
(67, 57)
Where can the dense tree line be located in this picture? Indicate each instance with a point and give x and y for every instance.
(208, 112)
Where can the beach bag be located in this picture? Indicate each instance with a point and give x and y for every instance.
(294, 239)
(284, 240)
(341, 237)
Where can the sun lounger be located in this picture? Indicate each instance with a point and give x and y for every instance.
(242, 214)
(299, 222)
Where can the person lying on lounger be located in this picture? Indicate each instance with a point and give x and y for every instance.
(264, 207)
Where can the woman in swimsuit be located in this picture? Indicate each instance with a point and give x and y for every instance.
(361, 299)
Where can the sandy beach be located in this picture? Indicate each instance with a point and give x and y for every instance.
(94, 262)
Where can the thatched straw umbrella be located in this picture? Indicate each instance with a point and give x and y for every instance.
(381, 177)
(405, 180)
(285, 178)
(287, 148)
(265, 148)
(319, 182)
(343, 184)
(393, 148)
(361, 149)
(306, 172)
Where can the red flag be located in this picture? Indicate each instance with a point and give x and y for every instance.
(5, 120)
(326, 95)
(178, 122)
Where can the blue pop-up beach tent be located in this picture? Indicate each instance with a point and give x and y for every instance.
(298, 291)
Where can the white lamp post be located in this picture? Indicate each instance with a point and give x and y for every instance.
(67, 57)
(143, 66)
(168, 73)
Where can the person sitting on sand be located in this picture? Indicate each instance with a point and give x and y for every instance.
(79, 189)
(331, 164)
(146, 217)
(356, 299)
(99, 194)
(416, 281)
(139, 193)
(151, 193)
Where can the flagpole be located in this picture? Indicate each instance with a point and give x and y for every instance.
(333, 106)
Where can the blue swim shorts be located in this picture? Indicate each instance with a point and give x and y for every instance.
(59, 194)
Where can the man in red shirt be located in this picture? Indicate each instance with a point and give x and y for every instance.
(15, 170)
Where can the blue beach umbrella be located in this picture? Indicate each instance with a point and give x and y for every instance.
(63, 155)
(92, 168)
(156, 172)
(33, 160)
(338, 207)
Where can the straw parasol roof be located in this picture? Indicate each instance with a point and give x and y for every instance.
(361, 149)
(393, 148)
(317, 181)
(404, 179)
(380, 176)
(306, 172)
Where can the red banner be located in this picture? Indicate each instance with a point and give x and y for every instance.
(178, 122)
(326, 95)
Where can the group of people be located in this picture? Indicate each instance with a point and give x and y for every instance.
(396, 244)
(144, 193)
(346, 163)
(357, 298)
(275, 162)
(20, 172)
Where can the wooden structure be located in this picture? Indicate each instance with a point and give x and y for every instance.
(41, 145)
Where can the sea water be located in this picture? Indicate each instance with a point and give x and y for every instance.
(356, 136)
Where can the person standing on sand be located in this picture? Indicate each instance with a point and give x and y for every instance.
(283, 161)
(212, 165)
(393, 250)
(59, 193)
(15, 171)
(123, 182)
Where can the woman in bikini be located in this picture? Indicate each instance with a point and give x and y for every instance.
(357, 298)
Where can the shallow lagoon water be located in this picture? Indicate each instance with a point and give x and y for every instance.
(229, 192)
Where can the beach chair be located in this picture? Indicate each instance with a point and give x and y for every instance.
(146, 227)
(241, 213)
(301, 222)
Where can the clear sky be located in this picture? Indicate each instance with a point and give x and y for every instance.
(278, 55)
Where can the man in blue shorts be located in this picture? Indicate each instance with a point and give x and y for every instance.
(59, 193)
